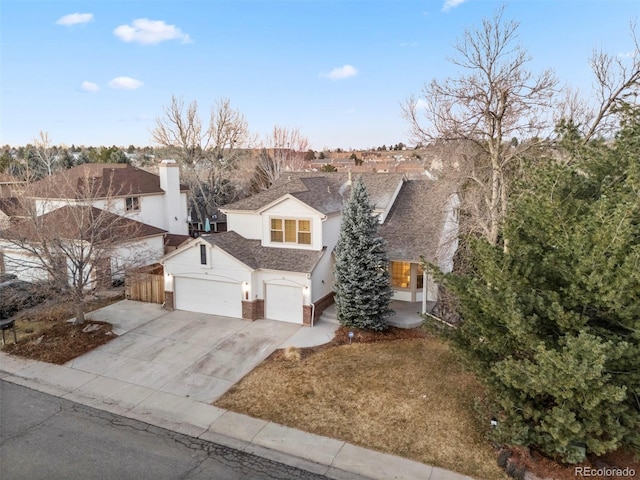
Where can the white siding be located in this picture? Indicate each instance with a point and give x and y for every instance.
(402, 295)
(133, 254)
(23, 265)
(322, 278)
(138, 253)
(248, 225)
(448, 243)
(220, 266)
(152, 211)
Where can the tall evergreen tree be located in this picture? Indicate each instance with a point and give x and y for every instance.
(552, 326)
(362, 286)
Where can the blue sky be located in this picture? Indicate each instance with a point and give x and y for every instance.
(100, 72)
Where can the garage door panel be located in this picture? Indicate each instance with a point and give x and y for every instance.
(283, 303)
(208, 296)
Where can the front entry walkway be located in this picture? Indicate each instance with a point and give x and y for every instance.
(407, 314)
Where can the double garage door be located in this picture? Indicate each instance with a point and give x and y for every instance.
(208, 296)
(282, 302)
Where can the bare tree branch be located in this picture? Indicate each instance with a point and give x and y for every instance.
(284, 150)
(616, 78)
(44, 152)
(71, 243)
(495, 104)
(207, 153)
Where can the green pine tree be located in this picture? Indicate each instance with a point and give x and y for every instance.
(362, 286)
(552, 326)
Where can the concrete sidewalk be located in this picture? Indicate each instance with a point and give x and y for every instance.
(137, 397)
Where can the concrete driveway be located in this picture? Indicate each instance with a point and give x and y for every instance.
(181, 353)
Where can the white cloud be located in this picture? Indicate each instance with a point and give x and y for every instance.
(150, 32)
(628, 54)
(89, 86)
(421, 104)
(75, 19)
(449, 4)
(125, 83)
(341, 73)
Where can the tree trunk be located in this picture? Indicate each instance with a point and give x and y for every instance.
(79, 304)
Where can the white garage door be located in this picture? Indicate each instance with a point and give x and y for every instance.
(208, 296)
(283, 303)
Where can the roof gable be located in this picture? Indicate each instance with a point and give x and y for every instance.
(283, 200)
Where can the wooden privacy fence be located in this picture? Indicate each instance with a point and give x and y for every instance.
(145, 284)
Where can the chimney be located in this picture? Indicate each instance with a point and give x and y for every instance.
(175, 204)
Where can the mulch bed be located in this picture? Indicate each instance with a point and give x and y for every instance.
(545, 468)
(61, 342)
(361, 336)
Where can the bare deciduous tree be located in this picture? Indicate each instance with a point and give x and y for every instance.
(284, 150)
(616, 77)
(70, 243)
(496, 104)
(206, 153)
(44, 152)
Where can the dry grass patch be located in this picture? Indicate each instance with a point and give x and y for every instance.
(404, 397)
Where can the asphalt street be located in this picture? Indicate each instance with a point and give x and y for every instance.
(46, 437)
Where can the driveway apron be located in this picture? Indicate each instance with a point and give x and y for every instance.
(181, 353)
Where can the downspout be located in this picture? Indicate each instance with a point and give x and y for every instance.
(313, 313)
(425, 289)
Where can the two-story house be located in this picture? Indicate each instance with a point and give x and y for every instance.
(275, 261)
(152, 209)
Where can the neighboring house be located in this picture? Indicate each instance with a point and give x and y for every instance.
(147, 212)
(217, 222)
(275, 261)
(10, 186)
(10, 208)
(157, 200)
(81, 229)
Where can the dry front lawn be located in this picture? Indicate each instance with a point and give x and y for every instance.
(404, 397)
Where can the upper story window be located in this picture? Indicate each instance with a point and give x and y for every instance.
(289, 230)
(203, 254)
(132, 204)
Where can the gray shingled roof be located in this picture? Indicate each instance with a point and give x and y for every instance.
(415, 223)
(13, 207)
(96, 180)
(323, 191)
(81, 222)
(255, 256)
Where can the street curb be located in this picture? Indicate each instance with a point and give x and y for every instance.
(250, 435)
